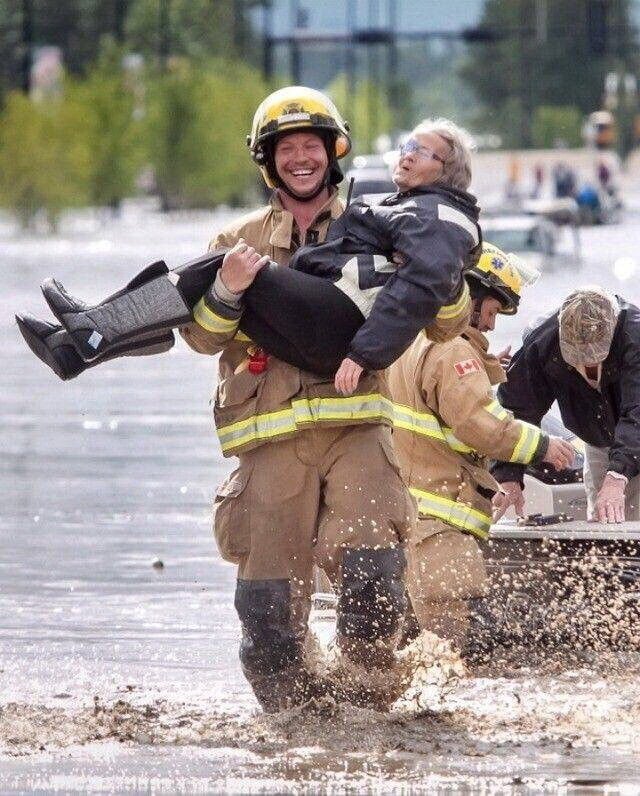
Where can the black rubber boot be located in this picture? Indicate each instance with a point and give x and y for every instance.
(54, 346)
(373, 598)
(157, 306)
(156, 300)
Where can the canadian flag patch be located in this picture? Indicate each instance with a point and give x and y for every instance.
(467, 366)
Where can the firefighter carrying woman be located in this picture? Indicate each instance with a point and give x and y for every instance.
(317, 478)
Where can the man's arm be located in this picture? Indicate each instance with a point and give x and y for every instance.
(474, 417)
(624, 454)
(526, 394)
(433, 251)
(217, 314)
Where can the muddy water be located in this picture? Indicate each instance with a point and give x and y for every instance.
(116, 675)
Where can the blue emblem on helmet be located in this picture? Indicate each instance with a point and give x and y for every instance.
(497, 263)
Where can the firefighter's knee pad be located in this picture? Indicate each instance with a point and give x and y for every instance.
(269, 643)
(372, 600)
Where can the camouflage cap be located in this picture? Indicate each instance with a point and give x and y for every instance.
(587, 322)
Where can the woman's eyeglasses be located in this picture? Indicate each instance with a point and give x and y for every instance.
(413, 147)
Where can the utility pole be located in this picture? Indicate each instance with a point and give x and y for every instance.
(350, 53)
(164, 33)
(294, 50)
(267, 40)
(392, 54)
(120, 14)
(525, 87)
(27, 45)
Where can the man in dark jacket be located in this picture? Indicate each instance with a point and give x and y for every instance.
(586, 356)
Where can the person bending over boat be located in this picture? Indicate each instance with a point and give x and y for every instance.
(585, 356)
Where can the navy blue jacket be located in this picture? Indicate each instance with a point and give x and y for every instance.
(434, 229)
(609, 417)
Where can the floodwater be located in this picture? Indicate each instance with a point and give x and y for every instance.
(117, 676)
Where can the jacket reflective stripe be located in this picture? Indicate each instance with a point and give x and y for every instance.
(208, 319)
(355, 407)
(461, 516)
(452, 310)
(427, 425)
(527, 444)
(265, 426)
(528, 440)
(301, 413)
(497, 410)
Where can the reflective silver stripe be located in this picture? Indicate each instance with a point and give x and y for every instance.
(446, 213)
(456, 444)
(349, 284)
(208, 319)
(355, 407)
(459, 515)
(427, 425)
(528, 440)
(453, 310)
(497, 410)
(265, 426)
(422, 423)
(527, 444)
(303, 411)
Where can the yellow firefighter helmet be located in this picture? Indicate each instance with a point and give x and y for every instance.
(502, 274)
(295, 108)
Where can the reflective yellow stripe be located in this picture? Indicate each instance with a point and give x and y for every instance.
(427, 425)
(302, 412)
(423, 423)
(528, 440)
(459, 515)
(208, 319)
(527, 444)
(355, 407)
(452, 310)
(265, 426)
(455, 444)
(497, 410)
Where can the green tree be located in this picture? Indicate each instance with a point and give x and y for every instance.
(43, 162)
(196, 130)
(366, 109)
(554, 123)
(107, 105)
(516, 74)
(195, 28)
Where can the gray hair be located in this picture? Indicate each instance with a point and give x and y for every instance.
(457, 168)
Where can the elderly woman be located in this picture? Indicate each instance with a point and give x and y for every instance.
(390, 267)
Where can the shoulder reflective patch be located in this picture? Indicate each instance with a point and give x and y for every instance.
(446, 213)
(466, 366)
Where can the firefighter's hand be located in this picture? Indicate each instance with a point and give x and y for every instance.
(610, 500)
(560, 454)
(240, 266)
(504, 357)
(510, 494)
(347, 376)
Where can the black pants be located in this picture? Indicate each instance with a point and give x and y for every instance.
(302, 319)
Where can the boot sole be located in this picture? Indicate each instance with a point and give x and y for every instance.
(39, 348)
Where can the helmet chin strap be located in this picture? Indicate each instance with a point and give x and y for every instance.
(476, 308)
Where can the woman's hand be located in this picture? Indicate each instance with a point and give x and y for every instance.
(347, 376)
(240, 266)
